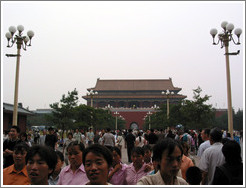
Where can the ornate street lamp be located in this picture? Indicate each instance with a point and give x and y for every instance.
(108, 108)
(116, 120)
(224, 38)
(167, 93)
(149, 114)
(22, 42)
(92, 94)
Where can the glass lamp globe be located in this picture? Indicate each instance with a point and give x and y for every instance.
(20, 28)
(238, 32)
(30, 34)
(12, 29)
(213, 32)
(8, 35)
(223, 24)
(229, 27)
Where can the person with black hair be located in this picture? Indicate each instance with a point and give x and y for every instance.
(74, 174)
(24, 138)
(168, 153)
(9, 144)
(68, 140)
(205, 137)
(152, 138)
(53, 179)
(97, 160)
(212, 156)
(16, 174)
(231, 172)
(138, 168)
(147, 154)
(117, 174)
(140, 140)
(130, 142)
(51, 138)
(170, 134)
(108, 139)
(41, 162)
(193, 175)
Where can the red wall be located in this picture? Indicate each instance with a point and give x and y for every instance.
(133, 117)
(7, 121)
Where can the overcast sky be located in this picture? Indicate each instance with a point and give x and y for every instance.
(77, 42)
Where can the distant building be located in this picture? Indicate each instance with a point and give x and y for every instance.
(133, 93)
(42, 111)
(133, 99)
(220, 112)
(8, 116)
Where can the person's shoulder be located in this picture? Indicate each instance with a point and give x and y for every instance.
(8, 169)
(64, 170)
(154, 179)
(6, 142)
(181, 181)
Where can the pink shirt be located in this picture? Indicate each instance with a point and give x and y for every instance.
(119, 177)
(67, 177)
(132, 176)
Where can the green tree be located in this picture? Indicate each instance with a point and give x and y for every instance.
(197, 114)
(193, 114)
(38, 120)
(238, 120)
(86, 116)
(63, 111)
(222, 121)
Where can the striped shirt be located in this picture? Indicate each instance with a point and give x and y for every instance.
(132, 176)
(67, 177)
(119, 177)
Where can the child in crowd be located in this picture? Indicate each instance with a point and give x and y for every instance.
(193, 175)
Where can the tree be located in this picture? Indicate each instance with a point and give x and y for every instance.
(63, 111)
(193, 114)
(238, 120)
(222, 121)
(197, 114)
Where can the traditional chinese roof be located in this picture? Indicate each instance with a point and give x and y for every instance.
(135, 85)
(8, 108)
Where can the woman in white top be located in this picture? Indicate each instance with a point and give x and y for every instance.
(119, 140)
(140, 140)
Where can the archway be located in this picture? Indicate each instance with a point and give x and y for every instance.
(134, 125)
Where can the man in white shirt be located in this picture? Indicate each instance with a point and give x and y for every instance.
(205, 144)
(78, 136)
(212, 156)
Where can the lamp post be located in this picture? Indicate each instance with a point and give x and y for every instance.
(116, 120)
(92, 94)
(224, 38)
(22, 42)
(167, 93)
(155, 107)
(108, 108)
(149, 114)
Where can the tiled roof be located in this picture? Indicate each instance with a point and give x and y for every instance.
(135, 85)
(135, 97)
(9, 108)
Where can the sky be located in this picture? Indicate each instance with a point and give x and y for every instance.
(77, 42)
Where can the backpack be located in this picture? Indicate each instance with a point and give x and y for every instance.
(185, 138)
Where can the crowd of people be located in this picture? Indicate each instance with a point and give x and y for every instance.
(155, 157)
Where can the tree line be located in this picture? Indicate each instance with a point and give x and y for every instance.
(192, 114)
